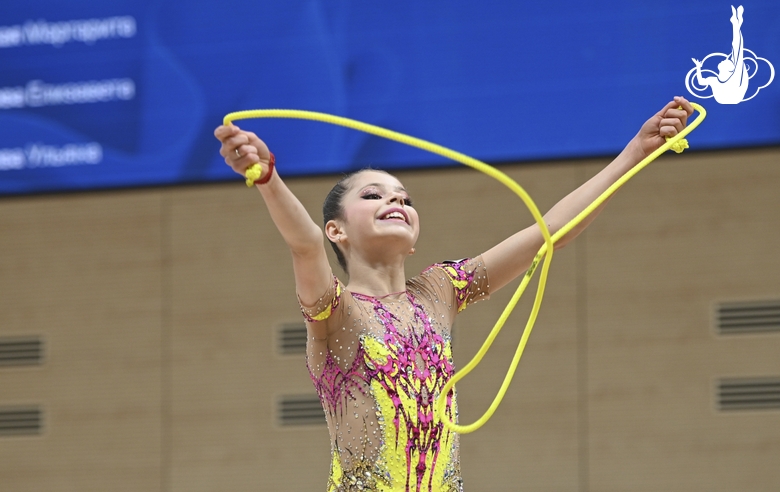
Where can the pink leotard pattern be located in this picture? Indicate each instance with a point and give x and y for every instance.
(379, 372)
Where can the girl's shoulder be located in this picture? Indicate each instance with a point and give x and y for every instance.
(461, 281)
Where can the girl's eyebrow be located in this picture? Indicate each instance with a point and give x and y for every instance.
(380, 185)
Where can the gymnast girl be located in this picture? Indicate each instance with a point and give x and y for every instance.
(379, 346)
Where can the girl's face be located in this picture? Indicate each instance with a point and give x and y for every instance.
(378, 216)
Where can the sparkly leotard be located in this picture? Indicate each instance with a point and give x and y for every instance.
(379, 374)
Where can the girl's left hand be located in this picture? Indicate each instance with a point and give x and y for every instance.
(666, 123)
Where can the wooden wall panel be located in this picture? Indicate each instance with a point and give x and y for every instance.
(83, 271)
(231, 280)
(691, 231)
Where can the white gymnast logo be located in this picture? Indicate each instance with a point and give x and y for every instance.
(730, 83)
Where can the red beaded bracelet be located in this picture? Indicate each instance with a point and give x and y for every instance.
(264, 179)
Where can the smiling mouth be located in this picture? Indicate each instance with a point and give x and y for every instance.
(395, 215)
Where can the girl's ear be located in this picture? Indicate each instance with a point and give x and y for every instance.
(334, 231)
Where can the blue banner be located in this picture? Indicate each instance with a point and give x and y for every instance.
(128, 92)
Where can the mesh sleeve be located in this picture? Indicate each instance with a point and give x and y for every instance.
(325, 305)
(469, 279)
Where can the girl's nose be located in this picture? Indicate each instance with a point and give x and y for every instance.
(396, 197)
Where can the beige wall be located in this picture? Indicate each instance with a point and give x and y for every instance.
(158, 310)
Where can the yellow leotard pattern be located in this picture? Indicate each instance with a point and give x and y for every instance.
(422, 470)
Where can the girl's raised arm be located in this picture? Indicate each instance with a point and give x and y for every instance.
(514, 255)
(313, 276)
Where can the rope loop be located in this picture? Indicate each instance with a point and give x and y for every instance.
(543, 256)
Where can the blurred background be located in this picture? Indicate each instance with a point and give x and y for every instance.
(150, 338)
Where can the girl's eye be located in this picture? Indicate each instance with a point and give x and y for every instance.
(372, 196)
(408, 201)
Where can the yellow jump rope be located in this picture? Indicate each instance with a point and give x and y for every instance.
(676, 143)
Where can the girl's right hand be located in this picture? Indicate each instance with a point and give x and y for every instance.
(242, 149)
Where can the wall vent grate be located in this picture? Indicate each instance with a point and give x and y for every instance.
(20, 351)
(291, 338)
(296, 410)
(20, 421)
(748, 317)
(748, 393)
